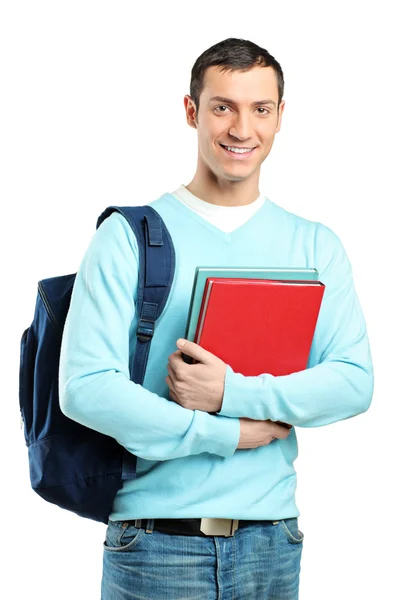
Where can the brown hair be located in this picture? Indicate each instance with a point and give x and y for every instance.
(232, 54)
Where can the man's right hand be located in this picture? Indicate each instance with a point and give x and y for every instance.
(260, 433)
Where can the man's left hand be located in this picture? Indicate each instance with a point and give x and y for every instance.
(198, 386)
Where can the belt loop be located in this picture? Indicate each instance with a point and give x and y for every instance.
(149, 525)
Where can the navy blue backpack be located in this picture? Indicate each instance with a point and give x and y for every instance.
(70, 465)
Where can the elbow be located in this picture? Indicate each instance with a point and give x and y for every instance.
(62, 394)
(78, 390)
(369, 392)
(365, 390)
(67, 402)
(70, 403)
(357, 391)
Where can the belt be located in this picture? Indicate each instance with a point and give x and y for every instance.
(202, 527)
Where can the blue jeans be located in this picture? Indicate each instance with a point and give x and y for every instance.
(259, 562)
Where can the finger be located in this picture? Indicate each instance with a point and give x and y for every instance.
(172, 372)
(279, 431)
(174, 397)
(175, 358)
(197, 352)
(170, 384)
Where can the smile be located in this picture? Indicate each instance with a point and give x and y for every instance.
(239, 153)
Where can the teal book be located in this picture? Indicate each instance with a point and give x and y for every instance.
(202, 273)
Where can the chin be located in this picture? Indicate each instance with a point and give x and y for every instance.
(235, 177)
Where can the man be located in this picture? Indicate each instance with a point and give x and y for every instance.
(212, 512)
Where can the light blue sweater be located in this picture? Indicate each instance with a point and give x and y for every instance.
(188, 464)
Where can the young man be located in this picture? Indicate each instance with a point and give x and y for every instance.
(212, 512)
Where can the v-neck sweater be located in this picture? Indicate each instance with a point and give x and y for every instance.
(225, 218)
(188, 464)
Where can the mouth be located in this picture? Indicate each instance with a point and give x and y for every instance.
(239, 153)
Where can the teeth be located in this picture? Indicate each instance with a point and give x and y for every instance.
(238, 150)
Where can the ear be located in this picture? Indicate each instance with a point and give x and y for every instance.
(281, 107)
(190, 109)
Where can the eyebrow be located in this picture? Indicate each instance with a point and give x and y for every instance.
(228, 101)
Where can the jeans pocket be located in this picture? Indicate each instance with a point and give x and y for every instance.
(121, 536)
(291, 530)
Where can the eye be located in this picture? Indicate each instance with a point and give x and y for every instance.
(262, 108)
(221, 106)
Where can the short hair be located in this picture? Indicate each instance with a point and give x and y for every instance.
(232, 54)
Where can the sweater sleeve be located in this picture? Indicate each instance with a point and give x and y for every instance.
(95, 388)
(338, 381)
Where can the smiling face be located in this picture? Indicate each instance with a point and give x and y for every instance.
(239, 110)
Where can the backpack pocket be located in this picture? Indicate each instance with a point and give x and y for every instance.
(26, 370)
(78, 472)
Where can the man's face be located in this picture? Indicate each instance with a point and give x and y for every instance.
(236, 120)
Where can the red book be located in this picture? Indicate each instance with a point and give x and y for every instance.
(259, 325)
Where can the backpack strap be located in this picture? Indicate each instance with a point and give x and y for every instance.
(156, 273)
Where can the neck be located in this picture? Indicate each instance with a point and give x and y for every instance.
(223, 192)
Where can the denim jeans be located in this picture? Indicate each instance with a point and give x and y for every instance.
(259, 562)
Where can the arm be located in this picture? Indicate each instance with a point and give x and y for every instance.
(338, 381)
(94, 381)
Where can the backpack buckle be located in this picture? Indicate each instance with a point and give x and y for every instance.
(145, 330)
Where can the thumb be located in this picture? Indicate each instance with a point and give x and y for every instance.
(193, 350)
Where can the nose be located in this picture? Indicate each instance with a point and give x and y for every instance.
(241, 127)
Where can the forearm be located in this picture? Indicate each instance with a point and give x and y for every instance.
(144, 423)
(338, 381)
(324, 394)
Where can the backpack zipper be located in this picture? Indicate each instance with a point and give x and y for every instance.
(21, 417)
(48, 307)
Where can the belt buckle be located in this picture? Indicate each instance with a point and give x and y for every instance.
(226, 527)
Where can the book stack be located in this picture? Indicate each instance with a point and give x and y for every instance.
(257, 320)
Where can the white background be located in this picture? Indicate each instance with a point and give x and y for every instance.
(92, 114)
